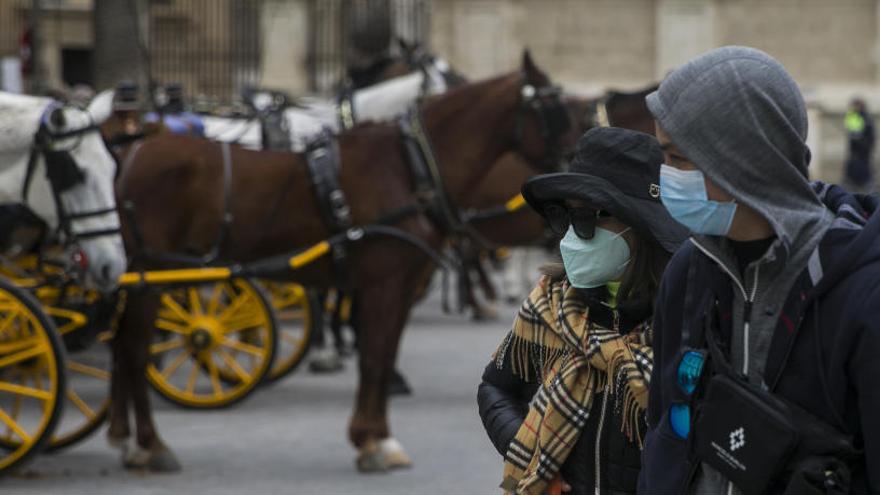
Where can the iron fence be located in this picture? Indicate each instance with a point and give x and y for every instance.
(344, 30)
(211, 47)
(13, 17)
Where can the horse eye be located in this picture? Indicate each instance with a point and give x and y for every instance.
(56, 118)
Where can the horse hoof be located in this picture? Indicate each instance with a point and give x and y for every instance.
(119, 443)
(394, 455)
(399, 386)
(371, 459)
(164, 461)
(160, 460)
(134, 456)
(326, 361)
(485, 313)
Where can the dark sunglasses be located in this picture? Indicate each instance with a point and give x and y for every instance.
(582, 219)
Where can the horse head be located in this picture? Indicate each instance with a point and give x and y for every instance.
(73, 190)
(543, 121)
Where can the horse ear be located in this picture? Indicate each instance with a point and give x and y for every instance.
(101, 106)
(531, 70)
(57, 118)
(403, 45)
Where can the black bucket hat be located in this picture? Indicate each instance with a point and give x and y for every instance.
(618, 171)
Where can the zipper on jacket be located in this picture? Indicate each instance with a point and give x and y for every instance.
(749, 300)
(747, 315)
(598, 476)
(747, 320)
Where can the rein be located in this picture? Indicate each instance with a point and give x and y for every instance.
(432, 193)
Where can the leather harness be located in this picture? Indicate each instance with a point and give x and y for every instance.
(322, 157)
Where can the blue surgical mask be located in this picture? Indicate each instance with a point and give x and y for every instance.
(683, 193)
(595, 262)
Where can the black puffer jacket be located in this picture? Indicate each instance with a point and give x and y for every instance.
(503, 400)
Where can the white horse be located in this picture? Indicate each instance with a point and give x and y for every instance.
(380, 102)
(84, 215)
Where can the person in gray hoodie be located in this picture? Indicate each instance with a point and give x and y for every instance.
(790, 268)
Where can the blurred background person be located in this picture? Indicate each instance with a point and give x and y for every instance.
(859, 174)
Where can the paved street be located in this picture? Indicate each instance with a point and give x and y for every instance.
(291, 438)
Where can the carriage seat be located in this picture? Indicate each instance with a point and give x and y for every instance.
(182, 123)
(21, 230)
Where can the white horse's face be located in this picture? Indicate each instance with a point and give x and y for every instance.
(104, 254)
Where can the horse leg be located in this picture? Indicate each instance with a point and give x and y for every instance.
(378, 342)
(486, 284)
(149, 451)
(488, 310)
(336, 324)
(324, 357)
(119, 431)
(467, 291)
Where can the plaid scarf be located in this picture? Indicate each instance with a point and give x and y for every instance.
(553, 339)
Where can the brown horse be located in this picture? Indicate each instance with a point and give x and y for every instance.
(524, 227)
(175, 186)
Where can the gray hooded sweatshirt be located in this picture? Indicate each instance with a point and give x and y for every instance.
(740, 118)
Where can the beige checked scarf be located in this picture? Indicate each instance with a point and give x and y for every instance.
(554, 340)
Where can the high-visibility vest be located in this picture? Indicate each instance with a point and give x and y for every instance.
(854, 122)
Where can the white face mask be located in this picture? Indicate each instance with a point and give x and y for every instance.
(595, 262)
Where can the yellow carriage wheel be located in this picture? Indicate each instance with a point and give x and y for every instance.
(31, 376)
(295, 309)
(208, 331)
(87, 397)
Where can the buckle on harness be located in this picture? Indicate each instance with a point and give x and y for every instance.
(340, 207)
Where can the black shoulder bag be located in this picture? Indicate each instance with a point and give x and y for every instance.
(762, 442)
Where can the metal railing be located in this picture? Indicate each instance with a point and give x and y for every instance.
(338, 24)
(211, 47)
(13, 17)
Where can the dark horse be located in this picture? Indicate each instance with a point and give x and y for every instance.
(524, 227)
(411, 56)
(174, 185)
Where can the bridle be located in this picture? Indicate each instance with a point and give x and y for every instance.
(429, 65)
(553, 120)
(63, 173)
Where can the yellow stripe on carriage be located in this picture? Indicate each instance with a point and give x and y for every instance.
(515, 203)
(184, 275)
(309, 255)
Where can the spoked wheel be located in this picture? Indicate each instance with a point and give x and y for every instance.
(31, 376)
(295, 309)
(214, 343)
(87, 395)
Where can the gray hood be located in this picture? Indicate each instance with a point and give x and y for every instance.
(740, 118)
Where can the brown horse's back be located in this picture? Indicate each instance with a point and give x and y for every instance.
(176, 186)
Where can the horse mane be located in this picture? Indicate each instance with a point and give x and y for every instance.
(460, 98)
(616, 96)
(450, 101)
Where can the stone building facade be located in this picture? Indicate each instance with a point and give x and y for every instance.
(832, 47)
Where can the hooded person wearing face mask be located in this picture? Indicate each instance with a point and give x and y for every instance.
(776, 298)
(564, 397)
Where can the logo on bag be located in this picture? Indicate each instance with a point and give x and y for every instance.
(737, 439)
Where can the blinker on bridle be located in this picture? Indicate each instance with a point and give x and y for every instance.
(553, 119)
